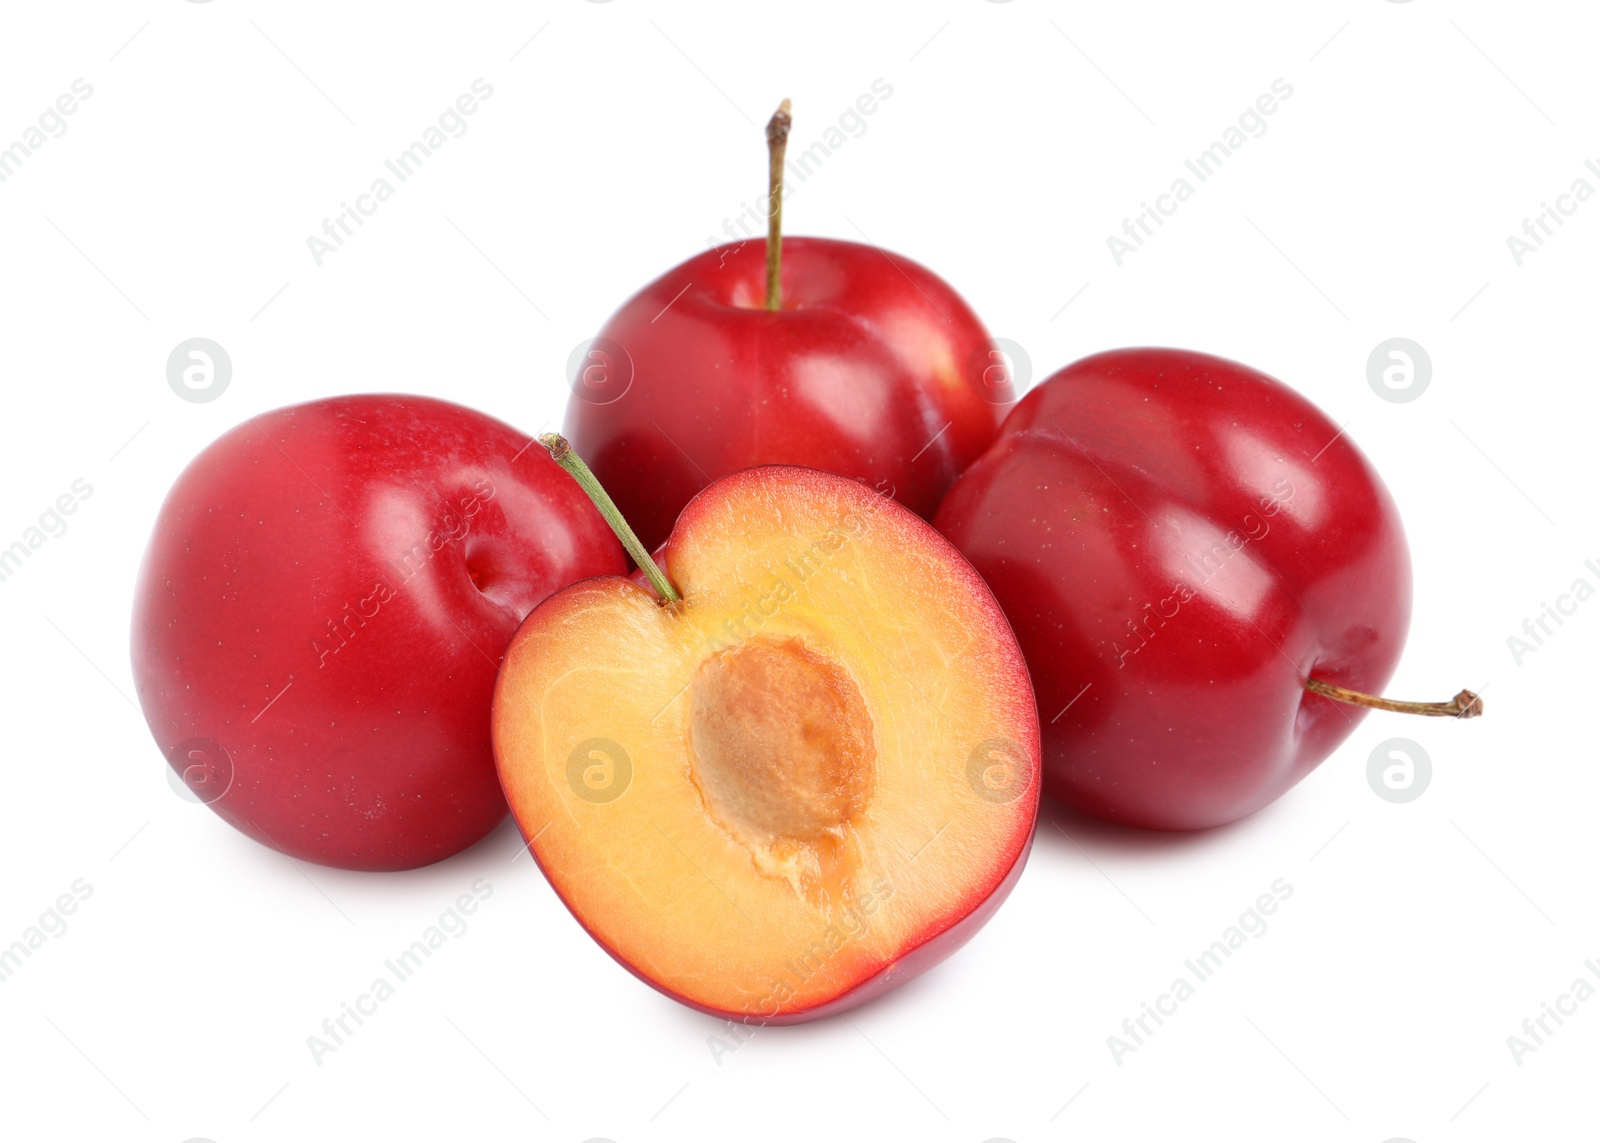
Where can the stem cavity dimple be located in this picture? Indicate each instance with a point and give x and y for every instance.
(1464, 705)
(561, 452)
(777, 146)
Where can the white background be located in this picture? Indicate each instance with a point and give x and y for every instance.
(1018, 137)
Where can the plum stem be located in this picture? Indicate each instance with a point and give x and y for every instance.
(1464, 705)
(777, 145)
(561, 452)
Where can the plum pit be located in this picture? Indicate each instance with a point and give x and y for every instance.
(780, 743)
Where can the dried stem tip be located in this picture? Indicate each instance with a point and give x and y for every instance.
(557, 444)
(778, 126)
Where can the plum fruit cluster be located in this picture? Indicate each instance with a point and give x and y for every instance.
(774, 689)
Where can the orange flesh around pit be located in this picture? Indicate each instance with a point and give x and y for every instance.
(768, 793)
